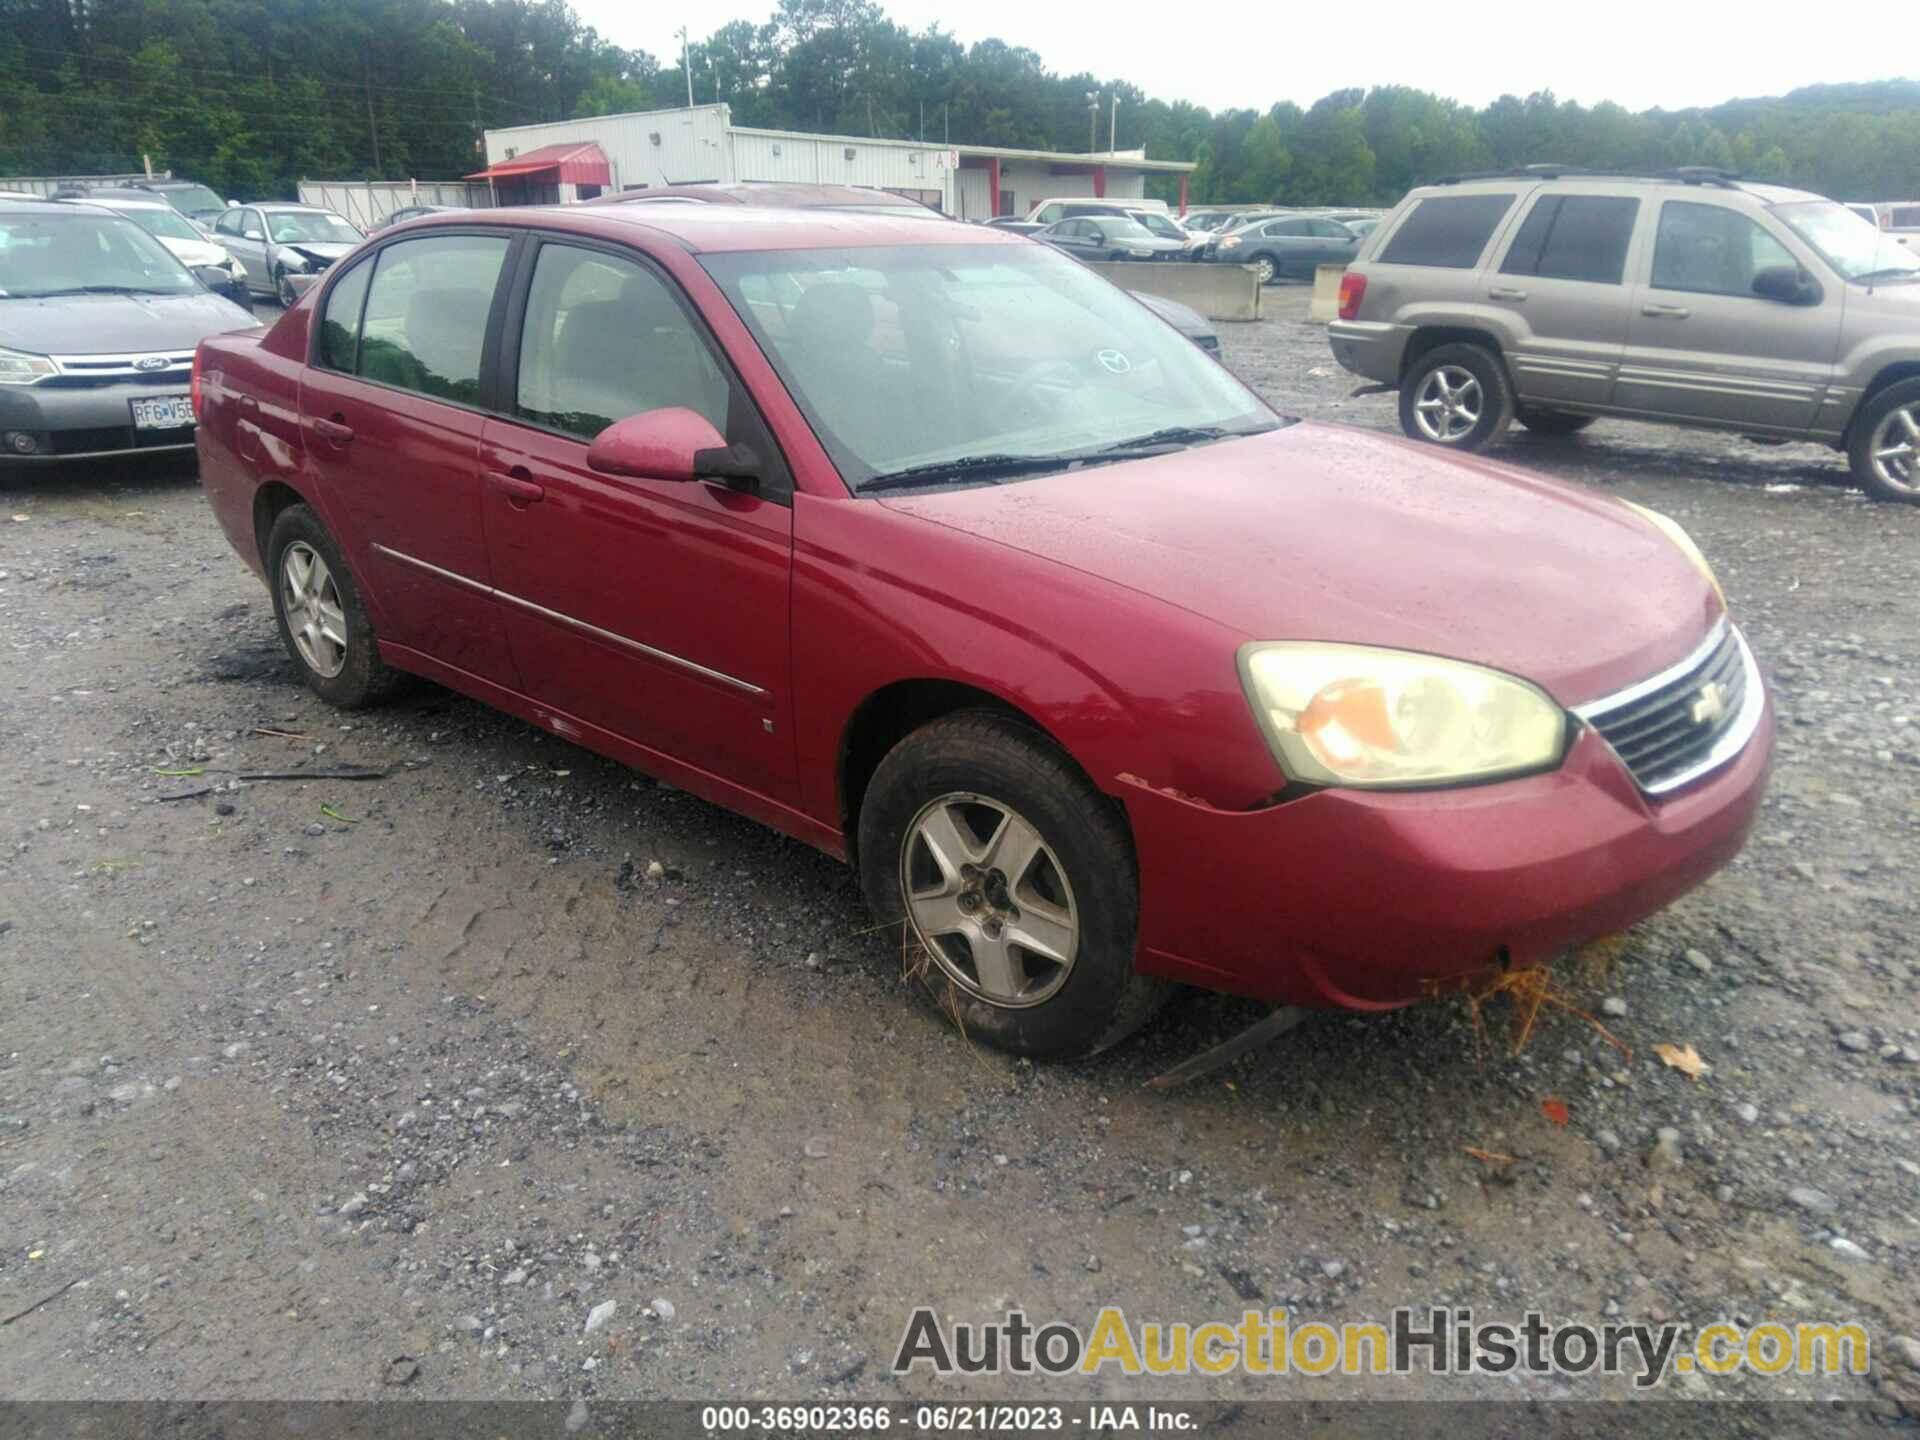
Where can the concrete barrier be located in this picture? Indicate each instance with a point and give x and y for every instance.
(1325, 304)
(1219, 292)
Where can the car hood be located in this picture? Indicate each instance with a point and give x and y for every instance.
(1320, 532)
(317, 249)
(117, 324)
(198, 252)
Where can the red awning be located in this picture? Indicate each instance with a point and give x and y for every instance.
(575, 164)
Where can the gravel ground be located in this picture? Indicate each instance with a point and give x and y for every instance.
(343, 1089)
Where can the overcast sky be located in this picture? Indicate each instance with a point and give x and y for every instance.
(1228, 53)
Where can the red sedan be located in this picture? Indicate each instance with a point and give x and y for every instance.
(924, 545)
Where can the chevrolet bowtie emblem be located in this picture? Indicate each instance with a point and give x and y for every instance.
(1709, 705)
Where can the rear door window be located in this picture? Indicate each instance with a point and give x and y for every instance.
(1448, 231)
(426, 315)
(1574, 237)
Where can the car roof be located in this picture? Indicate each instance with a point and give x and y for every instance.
(56, 208)
(713, 229)
(279, 205)
(1602, 183)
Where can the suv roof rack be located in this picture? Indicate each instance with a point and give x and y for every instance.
(1684, 175)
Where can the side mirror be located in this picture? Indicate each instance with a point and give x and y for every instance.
(672, 444)
(1788, 284)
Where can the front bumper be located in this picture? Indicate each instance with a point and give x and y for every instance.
(1369, 900)
(1370, 348)
(81, 422)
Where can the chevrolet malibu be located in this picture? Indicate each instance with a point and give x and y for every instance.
(928, 547)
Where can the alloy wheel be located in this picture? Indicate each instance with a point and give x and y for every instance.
(315, 617)
(1448, 405)
(1264, 270)
(989, 900)
(1896, 450)
(285, 288)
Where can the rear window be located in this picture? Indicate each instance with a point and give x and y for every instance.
(1574, 237)
(1449, 231)
(1904, 217)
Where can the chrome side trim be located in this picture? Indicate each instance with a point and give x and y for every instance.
(452, 577)
(608, 636)
(1731, 742)
(1609, 703)
(666, 657)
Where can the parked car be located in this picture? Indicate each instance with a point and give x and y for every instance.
(414, 212)
(925, 546)
(1289, 247)
(274, 242)
(1163, 227)
(1902, 222)
(1205, 219)
(218, 270)
(98, 322)
(1068, 207)
(1552, 298)
(1110, 237)
(1017, 226)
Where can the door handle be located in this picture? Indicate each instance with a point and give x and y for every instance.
(520, 489)
(1666, 312)
(1502, 292)
(335, 431)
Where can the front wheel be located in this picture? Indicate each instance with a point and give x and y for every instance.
(1885, 448)
(283, 290)
(1014, 878)
(1457, 396)
(1265, 270)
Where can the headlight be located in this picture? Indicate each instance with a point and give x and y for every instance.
(293, 262)
(1683, 542)
(17, 367)
(1229, 242)
(1353, 715)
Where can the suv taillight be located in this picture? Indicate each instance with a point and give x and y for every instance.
(193, 386)
(1353, 289)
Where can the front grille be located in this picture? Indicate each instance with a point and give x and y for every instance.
(1674, 728)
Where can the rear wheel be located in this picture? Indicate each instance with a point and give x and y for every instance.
(1014, 879)
(1552, 422)
(1885, 448)
(322, 622)
(1456, 396)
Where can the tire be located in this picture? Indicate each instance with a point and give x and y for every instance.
(1884, 448)
(1265, 268)
(1476, 381)
(975, 777)
(1553, 422)
(283, 290)
(350, 675)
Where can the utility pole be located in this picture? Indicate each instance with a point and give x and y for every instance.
(946, 130)
(373, 125)
(686, 62)
(1093, 121)
(1113, 129)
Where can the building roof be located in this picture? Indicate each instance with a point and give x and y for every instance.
(1121, 161)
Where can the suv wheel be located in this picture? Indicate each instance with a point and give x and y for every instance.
(1885, 449)
(1457, 396)
(1015, 880)
(1552, 422)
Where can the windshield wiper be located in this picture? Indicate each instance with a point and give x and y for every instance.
(1892, 272)
(1176, 437)
(969, 467)
(92, 290)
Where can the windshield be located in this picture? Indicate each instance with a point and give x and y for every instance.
(65, 255)
(1848, 243)
(310, 227)
(165, 223)
(910, 356)
(194, 200)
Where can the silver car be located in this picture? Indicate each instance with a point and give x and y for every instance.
(1554, 297)
(275, 241)
(98, 324)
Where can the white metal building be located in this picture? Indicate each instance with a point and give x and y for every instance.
(702, 144)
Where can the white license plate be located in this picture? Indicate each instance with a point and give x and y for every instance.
(162, 412)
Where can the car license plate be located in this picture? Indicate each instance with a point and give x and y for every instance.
(162, 412)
